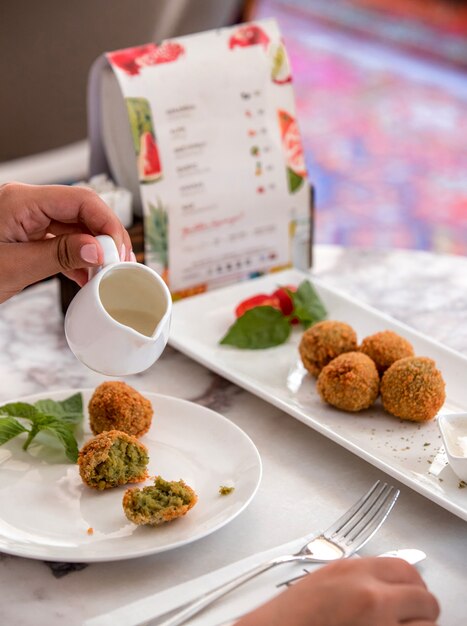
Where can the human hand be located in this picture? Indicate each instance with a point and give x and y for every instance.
(356, 592)
(48, 229)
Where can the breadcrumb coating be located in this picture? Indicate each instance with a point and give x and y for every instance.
(114, 405)
(323, 341)
(350, 382)
(385, 348)
(112, 458)
(413, 389)
(159, 503)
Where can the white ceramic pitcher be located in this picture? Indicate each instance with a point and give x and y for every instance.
(118, 323)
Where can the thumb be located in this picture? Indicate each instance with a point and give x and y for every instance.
(26, 263)
(73, 252)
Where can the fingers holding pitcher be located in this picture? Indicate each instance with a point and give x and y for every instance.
(48, 229)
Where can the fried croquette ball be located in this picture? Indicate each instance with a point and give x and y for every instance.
(112, 458)
(413, 389)
(385, 348)
(114, 405)
(349, 382)
(158, 503)
(323, 341)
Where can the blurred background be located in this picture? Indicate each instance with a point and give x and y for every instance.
(381, 91)
(381, 88)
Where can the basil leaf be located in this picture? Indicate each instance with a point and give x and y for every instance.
(19, 409)
(65, 434)
(258, 328)
(307, 304)
(73, 404)
(42, 421)
(9, 428)
(69, 410)
(57, 418)
(49, 407)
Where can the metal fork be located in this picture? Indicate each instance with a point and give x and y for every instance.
(347, 535)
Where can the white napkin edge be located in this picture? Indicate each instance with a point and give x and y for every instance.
(157, 604)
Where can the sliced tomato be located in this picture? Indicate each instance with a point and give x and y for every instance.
(285, 301)
(261, 299)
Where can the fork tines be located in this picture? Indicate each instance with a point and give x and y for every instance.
(364, 518)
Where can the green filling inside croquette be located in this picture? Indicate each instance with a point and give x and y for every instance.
(162, 495)
(124, 462)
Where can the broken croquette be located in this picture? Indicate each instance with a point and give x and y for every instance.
(114, 405)
(112, 458)
(413, 389)
(350, 382)
(162, 502)
(385, 348)
(323, 341)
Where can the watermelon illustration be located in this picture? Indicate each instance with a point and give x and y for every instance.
(132, 60)
(144, 140)
(248, 35)
(293, 151)
(149, 165)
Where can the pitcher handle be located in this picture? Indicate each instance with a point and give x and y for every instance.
(110, 254)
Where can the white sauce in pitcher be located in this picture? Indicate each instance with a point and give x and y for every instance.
(142, 322)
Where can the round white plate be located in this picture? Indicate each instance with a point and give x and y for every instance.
(46, 510)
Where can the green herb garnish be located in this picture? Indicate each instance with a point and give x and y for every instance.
(267, 326)
(224, 490)
(261, 327)
(57, 418)
(307, 305)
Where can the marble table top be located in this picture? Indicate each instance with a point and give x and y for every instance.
(426, 291)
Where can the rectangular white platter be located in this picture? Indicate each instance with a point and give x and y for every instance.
(410, 452)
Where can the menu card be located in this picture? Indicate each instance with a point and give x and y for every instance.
(212, 134)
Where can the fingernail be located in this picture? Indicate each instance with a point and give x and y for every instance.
(132, 257)
(123, 253)
(88, 253)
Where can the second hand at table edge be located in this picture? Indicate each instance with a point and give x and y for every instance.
(411, 555)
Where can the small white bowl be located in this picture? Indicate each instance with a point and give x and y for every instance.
(453, 430)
